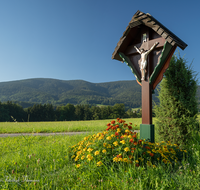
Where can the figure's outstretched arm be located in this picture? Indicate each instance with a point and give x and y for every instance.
(154, 45)
(137, 50)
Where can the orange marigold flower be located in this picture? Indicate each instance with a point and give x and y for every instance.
(116, 134)
(129, 127)
(120, 121)
(131, 140)
(130, 123)
(117, 126)
(113, 122)
(135, 143)
(108, 124)
(134, 136)
(151, 154)
(147, 147)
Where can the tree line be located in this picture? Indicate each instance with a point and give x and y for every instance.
(10, 111)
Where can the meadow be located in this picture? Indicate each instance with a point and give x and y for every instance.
(61, 126)
(37, 162)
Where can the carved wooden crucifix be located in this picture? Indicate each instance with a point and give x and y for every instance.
(145, 32)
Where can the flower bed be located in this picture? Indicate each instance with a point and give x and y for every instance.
(118, 144)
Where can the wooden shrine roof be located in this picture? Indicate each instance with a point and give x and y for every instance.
(141, 18)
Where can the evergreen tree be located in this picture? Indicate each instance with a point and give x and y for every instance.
(177, 112)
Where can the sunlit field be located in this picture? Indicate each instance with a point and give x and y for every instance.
(62, 126)
(37, 162)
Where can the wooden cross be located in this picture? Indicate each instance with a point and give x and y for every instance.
(146, 44)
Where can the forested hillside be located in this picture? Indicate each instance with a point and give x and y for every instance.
(60, 92)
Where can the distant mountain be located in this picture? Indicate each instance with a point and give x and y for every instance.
(59, 92)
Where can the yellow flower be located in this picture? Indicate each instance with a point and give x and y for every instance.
(104, 151)
(137, 161)
(115, 143)
(104, 144)
(89, 157)
(129, 136)
(109, 146)
(185, 151)
(76, 158)
(112, 135)
(115, 159)
(127, 131)
(82, 157)
(123, 142)
(125, 159)
(118, 130)
(73, 156)
(96, 153)
(109, 138)
(89, 149)
(99, 163)
(120, 159)
(84, 149)
(126, 149)
(154, 166)
(78, 153)
(78, 165)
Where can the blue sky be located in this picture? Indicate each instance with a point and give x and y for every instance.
(75, 39)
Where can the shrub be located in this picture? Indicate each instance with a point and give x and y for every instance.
(177, 112)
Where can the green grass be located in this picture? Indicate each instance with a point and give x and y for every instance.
(36, 162)
(62, 126)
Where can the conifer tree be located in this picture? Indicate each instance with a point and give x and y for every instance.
(177, 111)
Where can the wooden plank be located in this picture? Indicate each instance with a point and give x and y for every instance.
(160, 31)
(165, 35)
(131, 50)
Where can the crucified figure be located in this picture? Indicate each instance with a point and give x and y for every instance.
(144, 55)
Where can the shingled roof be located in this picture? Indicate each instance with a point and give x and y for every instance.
(141, 18)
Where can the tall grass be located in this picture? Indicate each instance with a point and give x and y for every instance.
(35, 162)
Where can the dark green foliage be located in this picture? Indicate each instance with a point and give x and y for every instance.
(178, 108)
(59, 92)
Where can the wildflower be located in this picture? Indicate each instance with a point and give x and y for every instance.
(129, 127)
(115, 143)
(112, 122)
(151, 154)
(108, 124)
(118, 130)
(116, 134)
(131, 140)
(109, 138)
(78, 165)
(125, 159)
(134, 136)
(89, 149)
(82, 157)
(76, 158)
(73, 156)
(123, 142)
(96, 153)
(126, 149)
(104, 151)
(99, 163)
(137, 161)
(109, 146)
(104, 144)
(137, 165)
(89, 157)
(154, 166)
(129, 136)
(115, 159)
